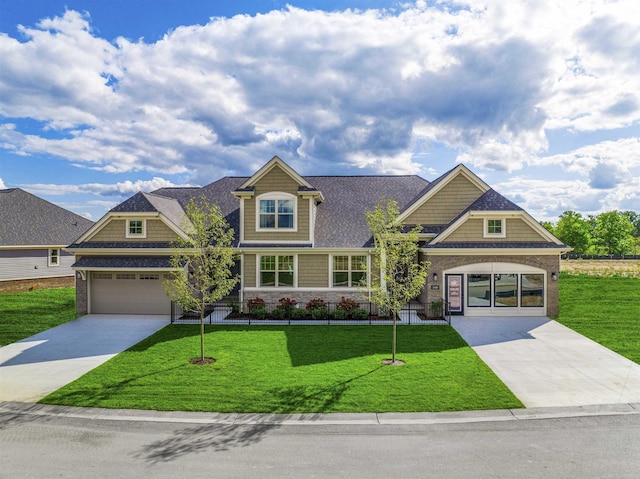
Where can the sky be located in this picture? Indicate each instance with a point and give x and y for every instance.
(101, 99)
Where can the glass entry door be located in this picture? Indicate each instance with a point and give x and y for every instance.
(455, 293)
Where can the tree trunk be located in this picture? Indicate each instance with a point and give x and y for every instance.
(202, 330)
(393, 341)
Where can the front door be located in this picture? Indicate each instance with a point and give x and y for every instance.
(455, 293)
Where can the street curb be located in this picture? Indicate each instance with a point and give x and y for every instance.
(319, 419)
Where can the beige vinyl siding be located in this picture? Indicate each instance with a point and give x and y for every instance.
(313, 270)
(472, 230)
(115, 230)
(277, 180)
(249, 273)
(446, 204)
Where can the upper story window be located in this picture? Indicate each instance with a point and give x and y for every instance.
(494, 228)
(54, 257)
(276, 211)
(136, 229)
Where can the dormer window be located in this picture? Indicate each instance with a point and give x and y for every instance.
(276, 211)
(494, 228)
(136, 229)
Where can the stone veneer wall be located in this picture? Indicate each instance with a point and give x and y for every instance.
(549, 263)
(21, 285)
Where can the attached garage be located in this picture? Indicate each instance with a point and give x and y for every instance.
(125, 285)
(128, 293)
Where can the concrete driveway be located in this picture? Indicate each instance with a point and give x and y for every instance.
(34, 367)
(546, 364)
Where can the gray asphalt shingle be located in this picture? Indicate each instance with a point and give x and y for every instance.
(27, 220)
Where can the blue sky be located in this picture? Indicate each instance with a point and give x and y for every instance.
(101, 99)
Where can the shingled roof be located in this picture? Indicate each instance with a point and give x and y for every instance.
(26, 220)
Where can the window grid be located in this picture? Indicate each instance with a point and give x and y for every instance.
(276, 214)
(277, 271)
(349, 271)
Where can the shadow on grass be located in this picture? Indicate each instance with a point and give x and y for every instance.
(204, 439)
(96, 395)
(313, 399)
(337, 343)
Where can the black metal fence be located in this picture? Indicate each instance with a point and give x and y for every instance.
(230, 312)
(601, 257)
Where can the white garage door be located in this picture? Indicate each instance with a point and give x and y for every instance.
(128, 293)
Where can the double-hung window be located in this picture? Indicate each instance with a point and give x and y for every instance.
(276, 213)
(54, 257)
(277, 271)
(349, 271)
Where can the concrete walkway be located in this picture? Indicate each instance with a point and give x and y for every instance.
(34, 367)
(546, 364)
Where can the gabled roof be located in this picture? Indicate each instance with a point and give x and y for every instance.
(273, 163)
(436, 185)
(26, 220)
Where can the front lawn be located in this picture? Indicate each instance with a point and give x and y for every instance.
(603, 308)
(25, 314)
(293, 369)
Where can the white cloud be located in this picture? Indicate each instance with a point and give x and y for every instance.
(2, 185)
(124, 188)
(356, 89)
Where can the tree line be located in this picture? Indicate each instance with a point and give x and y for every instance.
(610, 233)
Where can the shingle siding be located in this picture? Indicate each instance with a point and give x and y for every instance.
(313, 270)
(473, 230)
(249, 267)
(446, 204)
(115, 231)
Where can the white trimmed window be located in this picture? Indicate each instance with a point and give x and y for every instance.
(136, 229)
(54, 257)
(494, 228)
(276, 211)
(349, 271)
(277, 271)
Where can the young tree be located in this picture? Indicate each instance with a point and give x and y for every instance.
(203, 261)
(401, 275)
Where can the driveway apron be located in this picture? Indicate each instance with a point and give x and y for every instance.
(546, 364)
(34, 367)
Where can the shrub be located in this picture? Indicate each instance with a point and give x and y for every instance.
(234, 305)
(359, 314)
(316, 303)
(259, 313)
(298, 313)
(287, 303)
(319, 314)
(340, 314)
(347, 304)
(255, 303)
(280, 313)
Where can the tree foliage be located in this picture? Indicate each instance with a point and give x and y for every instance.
(203, 261)
(608, 233)
(401, 275)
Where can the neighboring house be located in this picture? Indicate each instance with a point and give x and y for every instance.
(306, 237)
(32, 235)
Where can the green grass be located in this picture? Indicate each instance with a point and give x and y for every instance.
(25, 314)
(606, 309)
(293, 369)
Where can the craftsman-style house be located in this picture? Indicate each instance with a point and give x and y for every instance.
(306, 237)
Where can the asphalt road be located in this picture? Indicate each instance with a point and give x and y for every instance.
(584, 447)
